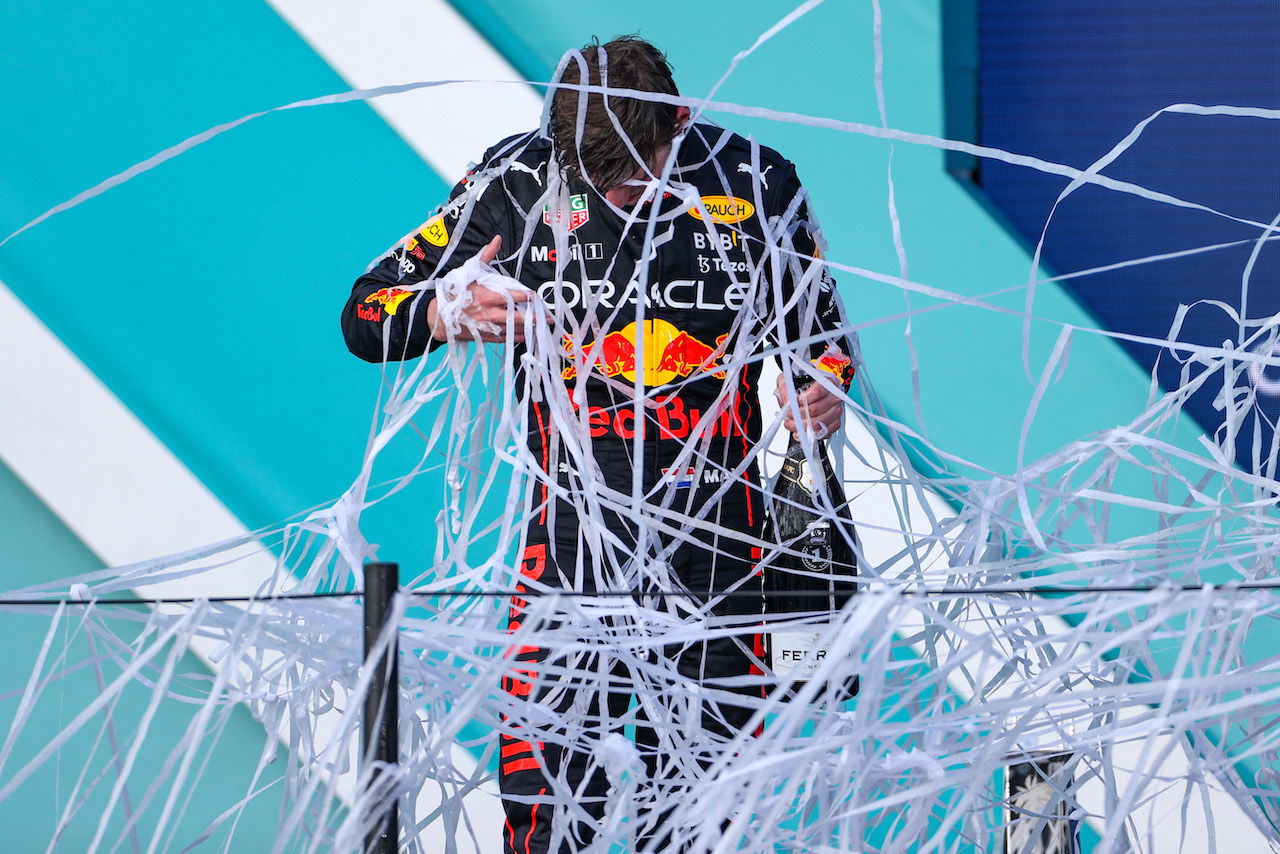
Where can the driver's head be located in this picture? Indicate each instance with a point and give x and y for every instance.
(600, 153)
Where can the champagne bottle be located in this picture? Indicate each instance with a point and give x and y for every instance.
(815, 571)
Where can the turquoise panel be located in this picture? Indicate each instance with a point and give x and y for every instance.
(205, 292)
(38, 548)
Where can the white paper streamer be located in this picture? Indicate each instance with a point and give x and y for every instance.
(1142, 665)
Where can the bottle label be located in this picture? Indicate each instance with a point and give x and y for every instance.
(796, 655)
(798, 471)
(815, 547)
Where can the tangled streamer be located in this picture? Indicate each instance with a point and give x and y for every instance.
(1000, 621)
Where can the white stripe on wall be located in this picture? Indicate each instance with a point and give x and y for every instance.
(98, 468)
(387, 42)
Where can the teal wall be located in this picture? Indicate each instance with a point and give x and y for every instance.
(205, 295)
(38, 548)
(205, 292)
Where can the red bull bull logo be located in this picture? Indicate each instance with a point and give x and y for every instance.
(683, 355)
(837, 364)
(390, 298)
(669, 353)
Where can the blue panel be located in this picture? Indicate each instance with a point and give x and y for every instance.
(1067, 82)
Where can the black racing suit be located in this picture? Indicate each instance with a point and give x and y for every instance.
(728, 271)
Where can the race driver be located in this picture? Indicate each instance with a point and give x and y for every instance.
(665, 258)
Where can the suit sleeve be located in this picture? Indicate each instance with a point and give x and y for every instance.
(385, 318)
(813, 326)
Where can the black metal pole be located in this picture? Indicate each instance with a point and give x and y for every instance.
(382, 704)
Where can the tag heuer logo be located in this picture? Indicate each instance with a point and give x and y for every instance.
(578, 213)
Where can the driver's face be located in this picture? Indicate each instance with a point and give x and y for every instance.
(627, 193)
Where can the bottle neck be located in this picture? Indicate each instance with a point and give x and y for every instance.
(802, 384)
